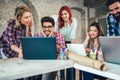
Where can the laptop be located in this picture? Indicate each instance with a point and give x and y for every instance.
(77, 48)
(111, 48)
(39, 47)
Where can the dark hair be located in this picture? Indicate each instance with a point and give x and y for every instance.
(109, 2)
(47, 19)
(100, 33)
(99, 28)
(60, 20)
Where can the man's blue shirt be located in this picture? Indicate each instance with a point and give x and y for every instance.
(113, 26)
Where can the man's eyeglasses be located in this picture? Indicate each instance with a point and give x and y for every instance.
(47, 26)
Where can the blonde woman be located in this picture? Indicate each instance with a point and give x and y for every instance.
(16, 28)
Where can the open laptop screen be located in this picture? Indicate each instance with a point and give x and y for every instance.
(39, 47)
(111, 48)
(77, 48)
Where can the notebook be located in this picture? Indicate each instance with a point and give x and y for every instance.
(39, 47)
(111, 48)
(77, 48)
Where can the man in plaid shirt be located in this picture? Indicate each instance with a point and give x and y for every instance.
(48, 31)
(113, 18)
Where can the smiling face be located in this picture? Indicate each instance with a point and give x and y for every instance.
(47, 28)
(65, 16)
(115, 9)
(93, 32)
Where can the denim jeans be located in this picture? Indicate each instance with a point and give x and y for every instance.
(70, 74)
(90, 76)
(49, 76)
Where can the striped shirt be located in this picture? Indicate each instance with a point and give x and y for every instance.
(59, 38)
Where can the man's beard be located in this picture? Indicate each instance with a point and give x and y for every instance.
(47, 34)
(117, 17)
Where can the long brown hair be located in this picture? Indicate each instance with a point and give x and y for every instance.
(60, 20)
(19, 13)
(100, 33)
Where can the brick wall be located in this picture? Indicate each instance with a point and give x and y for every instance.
(7, 11)
(42, 8)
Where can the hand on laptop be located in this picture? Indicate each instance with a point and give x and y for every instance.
(58, 48)
(20, 54)
(18, 50)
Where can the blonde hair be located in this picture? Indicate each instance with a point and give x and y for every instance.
(19, 13)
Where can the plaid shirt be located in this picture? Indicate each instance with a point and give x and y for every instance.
(11, 35)
(59, 38)
(113, 26)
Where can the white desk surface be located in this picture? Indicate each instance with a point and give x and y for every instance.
(18, 68)
(113, 71)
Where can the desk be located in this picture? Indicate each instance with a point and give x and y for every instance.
(113, 71)
(18, 68)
